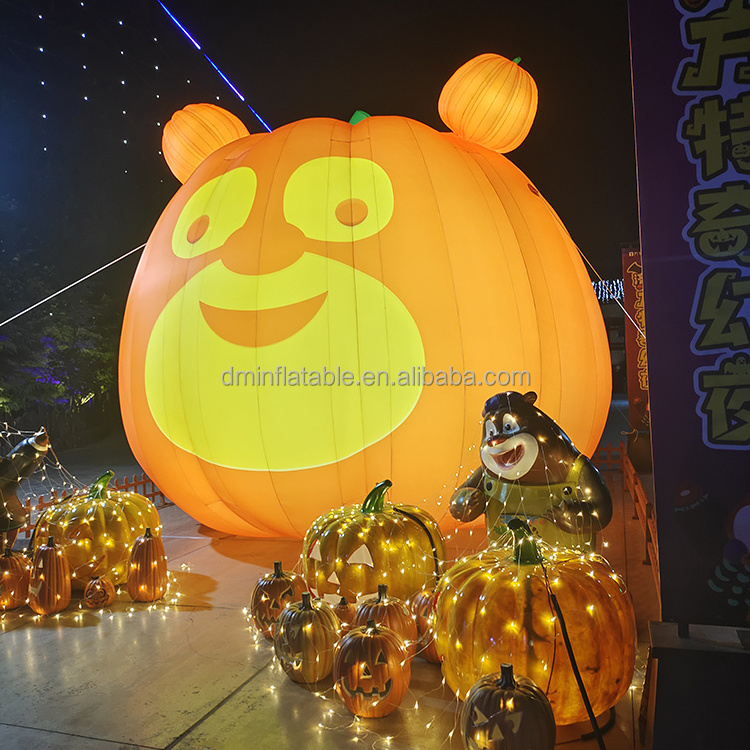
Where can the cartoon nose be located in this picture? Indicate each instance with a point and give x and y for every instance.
(254, 250)
(497, 440)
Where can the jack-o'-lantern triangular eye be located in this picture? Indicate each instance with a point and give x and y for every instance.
(381, 659)
(360, 556)
(315, 551)
(478, 716)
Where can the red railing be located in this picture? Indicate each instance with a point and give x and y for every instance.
(608, 458)
(141, 485)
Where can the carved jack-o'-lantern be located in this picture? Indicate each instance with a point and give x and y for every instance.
(372, 670)
(304, 637)
(147, 577)
(422, 606)
(14, 579)
(99, 592)
(391, 612)
(499, 603)
(345, 611)
(351, 550)
(508, 711)
(271, 594)
(96, 529)
(306, 291)
(49, 587)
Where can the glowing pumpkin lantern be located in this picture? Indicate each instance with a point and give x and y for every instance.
(490, 100)
(498, 603)
(305, 293)
(96, 529)
(351, 551)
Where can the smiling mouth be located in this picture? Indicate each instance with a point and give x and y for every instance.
(509, 458)
(254, 328)
(374, 694)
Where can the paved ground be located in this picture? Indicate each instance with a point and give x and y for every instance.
(190, 673)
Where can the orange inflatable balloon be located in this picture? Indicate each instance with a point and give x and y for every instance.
(329, 304)
(490, 100)
(194, 133)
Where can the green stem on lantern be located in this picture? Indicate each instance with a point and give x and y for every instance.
(374, 501)
(98, 489)
(526, 551)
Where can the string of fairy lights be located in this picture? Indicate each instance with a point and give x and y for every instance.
(117, 66)
(332, 717)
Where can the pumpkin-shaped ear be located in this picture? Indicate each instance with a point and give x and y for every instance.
(195, 132)
(491, 101)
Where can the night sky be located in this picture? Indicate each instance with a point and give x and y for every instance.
(86, 88)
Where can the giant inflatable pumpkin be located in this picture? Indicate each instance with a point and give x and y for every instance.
(303, 289)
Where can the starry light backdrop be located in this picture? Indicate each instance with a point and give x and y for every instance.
(88, 86)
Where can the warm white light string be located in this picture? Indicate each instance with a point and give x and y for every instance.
(70, 286)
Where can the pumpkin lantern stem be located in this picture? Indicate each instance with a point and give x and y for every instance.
(506, 680)
(375, 497)
(277, 571)
(526, 550)
(306, 603)
(98, 489)
(382, 592)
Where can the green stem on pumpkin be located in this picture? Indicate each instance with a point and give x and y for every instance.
(277, 571)
(526, 551)
(374, 501)
(99, 487)
(306, 603)
(517, 60)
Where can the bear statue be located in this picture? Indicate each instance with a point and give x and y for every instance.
(530, 468)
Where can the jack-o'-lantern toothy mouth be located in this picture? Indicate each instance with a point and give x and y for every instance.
(374, 694)
(261, 327)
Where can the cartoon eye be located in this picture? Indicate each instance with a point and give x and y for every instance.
(381, 659)
(477, 716)
(214, 212)
(490, 430)
(337, 199)
(510, 425)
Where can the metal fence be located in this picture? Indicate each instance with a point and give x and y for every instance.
(141, 485)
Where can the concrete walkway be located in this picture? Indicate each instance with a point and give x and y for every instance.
(190, 672)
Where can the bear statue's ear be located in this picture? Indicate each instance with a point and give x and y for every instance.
(529, 397)
(194, 133)
(490, 101)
